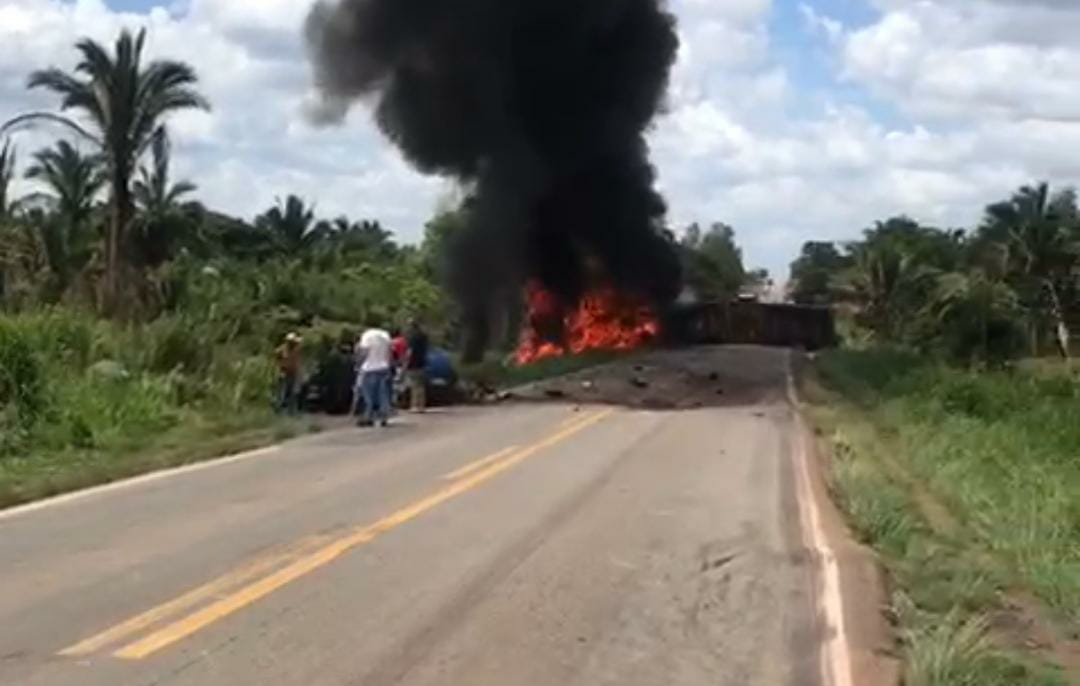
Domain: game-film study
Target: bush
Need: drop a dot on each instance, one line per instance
(175, 344)
(22, 383)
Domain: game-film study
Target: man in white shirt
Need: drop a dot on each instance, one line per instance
(373, 355)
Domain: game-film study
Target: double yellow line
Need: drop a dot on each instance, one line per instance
(261, 577)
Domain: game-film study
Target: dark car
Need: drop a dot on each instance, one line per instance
(442, 381)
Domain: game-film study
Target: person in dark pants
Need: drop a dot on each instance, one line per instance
(416, 366)
(399, 350)
(288, 360)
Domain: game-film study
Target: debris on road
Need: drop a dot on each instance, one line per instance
(689, 378)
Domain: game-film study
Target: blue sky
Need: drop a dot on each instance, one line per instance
(789, 119)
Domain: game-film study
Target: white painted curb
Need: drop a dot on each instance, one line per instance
(836, 651)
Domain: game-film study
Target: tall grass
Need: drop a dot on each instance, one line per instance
(1001, 449)
(944, 585)
(78, 395)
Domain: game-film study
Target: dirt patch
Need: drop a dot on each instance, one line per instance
(1021, 623)
(679, 379)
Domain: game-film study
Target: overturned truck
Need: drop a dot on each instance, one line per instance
(753, 323)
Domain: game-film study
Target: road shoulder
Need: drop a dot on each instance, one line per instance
(860, 646)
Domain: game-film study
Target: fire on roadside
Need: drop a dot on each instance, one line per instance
(603, 319)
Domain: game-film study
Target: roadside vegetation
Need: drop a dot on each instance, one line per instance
(951, 419)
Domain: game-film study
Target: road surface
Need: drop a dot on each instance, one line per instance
(529, 544)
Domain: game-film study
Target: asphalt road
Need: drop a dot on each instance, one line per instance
(528, 544)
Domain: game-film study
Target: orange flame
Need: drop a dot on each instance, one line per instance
(603, 320)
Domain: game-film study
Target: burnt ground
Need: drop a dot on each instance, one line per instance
(670, 379)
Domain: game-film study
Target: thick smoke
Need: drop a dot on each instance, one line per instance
(540, 107)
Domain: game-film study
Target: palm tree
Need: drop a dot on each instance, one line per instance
(365, 238)
(73, 181)
(979, 313)
(7, 173)
(291, 226)
(1039, 232)
(884, 282)
(153, 192)
(162, 223)
(124, 103)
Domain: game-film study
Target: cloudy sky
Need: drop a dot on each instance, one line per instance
(789, 119)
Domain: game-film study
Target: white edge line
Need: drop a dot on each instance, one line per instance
(132, 482)
(836, 655)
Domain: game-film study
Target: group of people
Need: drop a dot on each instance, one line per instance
(379, 358)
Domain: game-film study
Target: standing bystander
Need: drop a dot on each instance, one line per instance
(288, 361)
(416, 367)
(374, 356)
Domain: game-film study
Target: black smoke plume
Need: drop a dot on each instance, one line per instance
(540, 107)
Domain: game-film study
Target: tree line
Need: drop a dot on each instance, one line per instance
(107, 227)
(1007, 288)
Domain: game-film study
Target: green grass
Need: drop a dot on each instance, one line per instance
(903, 433)
(1000, 449)
(45, 474)
(84, 401)
(954, 650)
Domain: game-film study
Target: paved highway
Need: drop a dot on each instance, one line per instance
(530, 544)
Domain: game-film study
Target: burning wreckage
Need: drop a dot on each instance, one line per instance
(539, 108)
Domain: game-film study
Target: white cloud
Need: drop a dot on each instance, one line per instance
(832, 29)
(990, 90)
(982, 58)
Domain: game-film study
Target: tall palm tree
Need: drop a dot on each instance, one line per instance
(73, 182)
(1039, 233)
(7, 173)
(291, 226)
(123, 102)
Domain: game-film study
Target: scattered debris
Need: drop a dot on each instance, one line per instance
(707, 565)
(670, 379)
